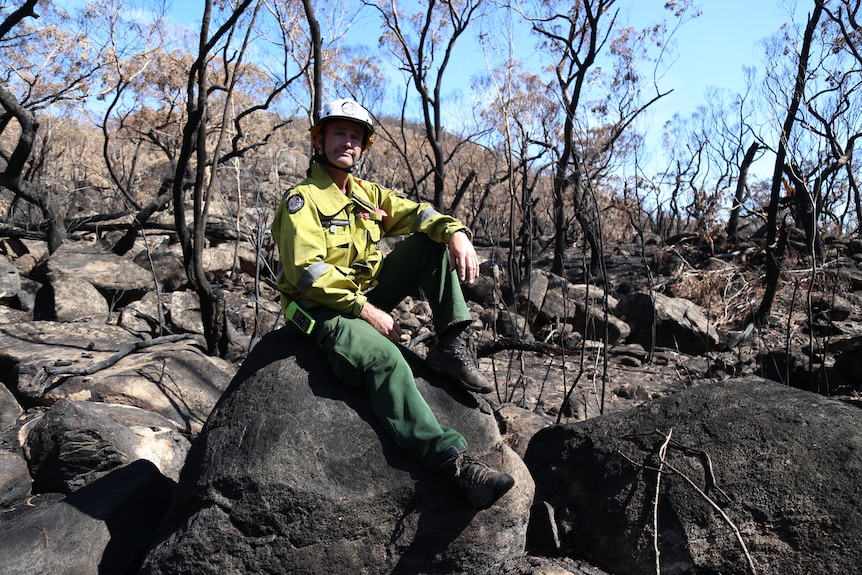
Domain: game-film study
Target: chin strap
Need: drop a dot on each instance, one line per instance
(322, 159)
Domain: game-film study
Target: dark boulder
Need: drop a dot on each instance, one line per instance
(10, 409)
(292, 474)
(103, 528)
(119, 280)
(74, 443)
(675, 323)
(14, 479)
(751, 473)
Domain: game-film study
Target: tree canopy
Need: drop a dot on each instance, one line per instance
(114, 111)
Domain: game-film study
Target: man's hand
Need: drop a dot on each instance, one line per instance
(463, 258)
(381, 321)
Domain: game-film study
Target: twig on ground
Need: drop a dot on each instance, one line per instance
(662, 455)
(710, 480)
(45, 373)
(488, 349)
(724, 516)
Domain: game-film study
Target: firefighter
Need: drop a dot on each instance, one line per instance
(337, 285)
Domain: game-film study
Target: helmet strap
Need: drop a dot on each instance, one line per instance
(321, 158)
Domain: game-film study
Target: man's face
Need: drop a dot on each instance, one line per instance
(341, 142)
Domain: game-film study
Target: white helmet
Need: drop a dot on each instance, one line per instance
(345, 109)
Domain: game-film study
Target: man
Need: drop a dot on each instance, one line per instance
(327, 229)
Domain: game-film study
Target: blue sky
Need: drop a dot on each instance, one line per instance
(712, 49)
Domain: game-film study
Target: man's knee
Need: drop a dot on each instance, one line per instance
(362, 348)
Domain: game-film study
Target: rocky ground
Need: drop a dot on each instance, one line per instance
(90, 352)
(810, 323)
(811, 320)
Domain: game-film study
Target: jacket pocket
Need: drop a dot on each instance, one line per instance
(338, 242)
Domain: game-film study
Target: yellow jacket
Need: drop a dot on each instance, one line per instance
(327, 241)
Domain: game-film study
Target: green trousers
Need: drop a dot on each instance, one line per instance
(364, 358)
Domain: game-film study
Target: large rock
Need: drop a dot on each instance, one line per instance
(15, 479)
(10, 281)
(583, 306)
(148, 315)
(26, 254)
(175, 379)
(531, 294)
(75, 443)
(27, 347)
(679, 323)
(102, 528)
(185, 312)
(519, 425)
(293, 474)
(16, 316)
(118, 279)
(751, 472)
(167, 263)
(10, 409)
(847, 352)
(68, 298)
(537, 565)
(168, 267)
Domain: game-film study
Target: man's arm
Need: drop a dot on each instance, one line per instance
(463, 257)
(381, 321)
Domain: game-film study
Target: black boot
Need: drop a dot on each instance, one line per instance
(482, 484)
(451, 357)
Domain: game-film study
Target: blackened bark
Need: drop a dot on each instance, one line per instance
(739, 196)
(774, 250)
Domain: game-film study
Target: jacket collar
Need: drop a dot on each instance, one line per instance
(328, 197)
(325, 194)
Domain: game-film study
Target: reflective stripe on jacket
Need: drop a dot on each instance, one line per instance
(327, 241)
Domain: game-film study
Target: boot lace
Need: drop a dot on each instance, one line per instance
(465, 351)
(472, 472)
